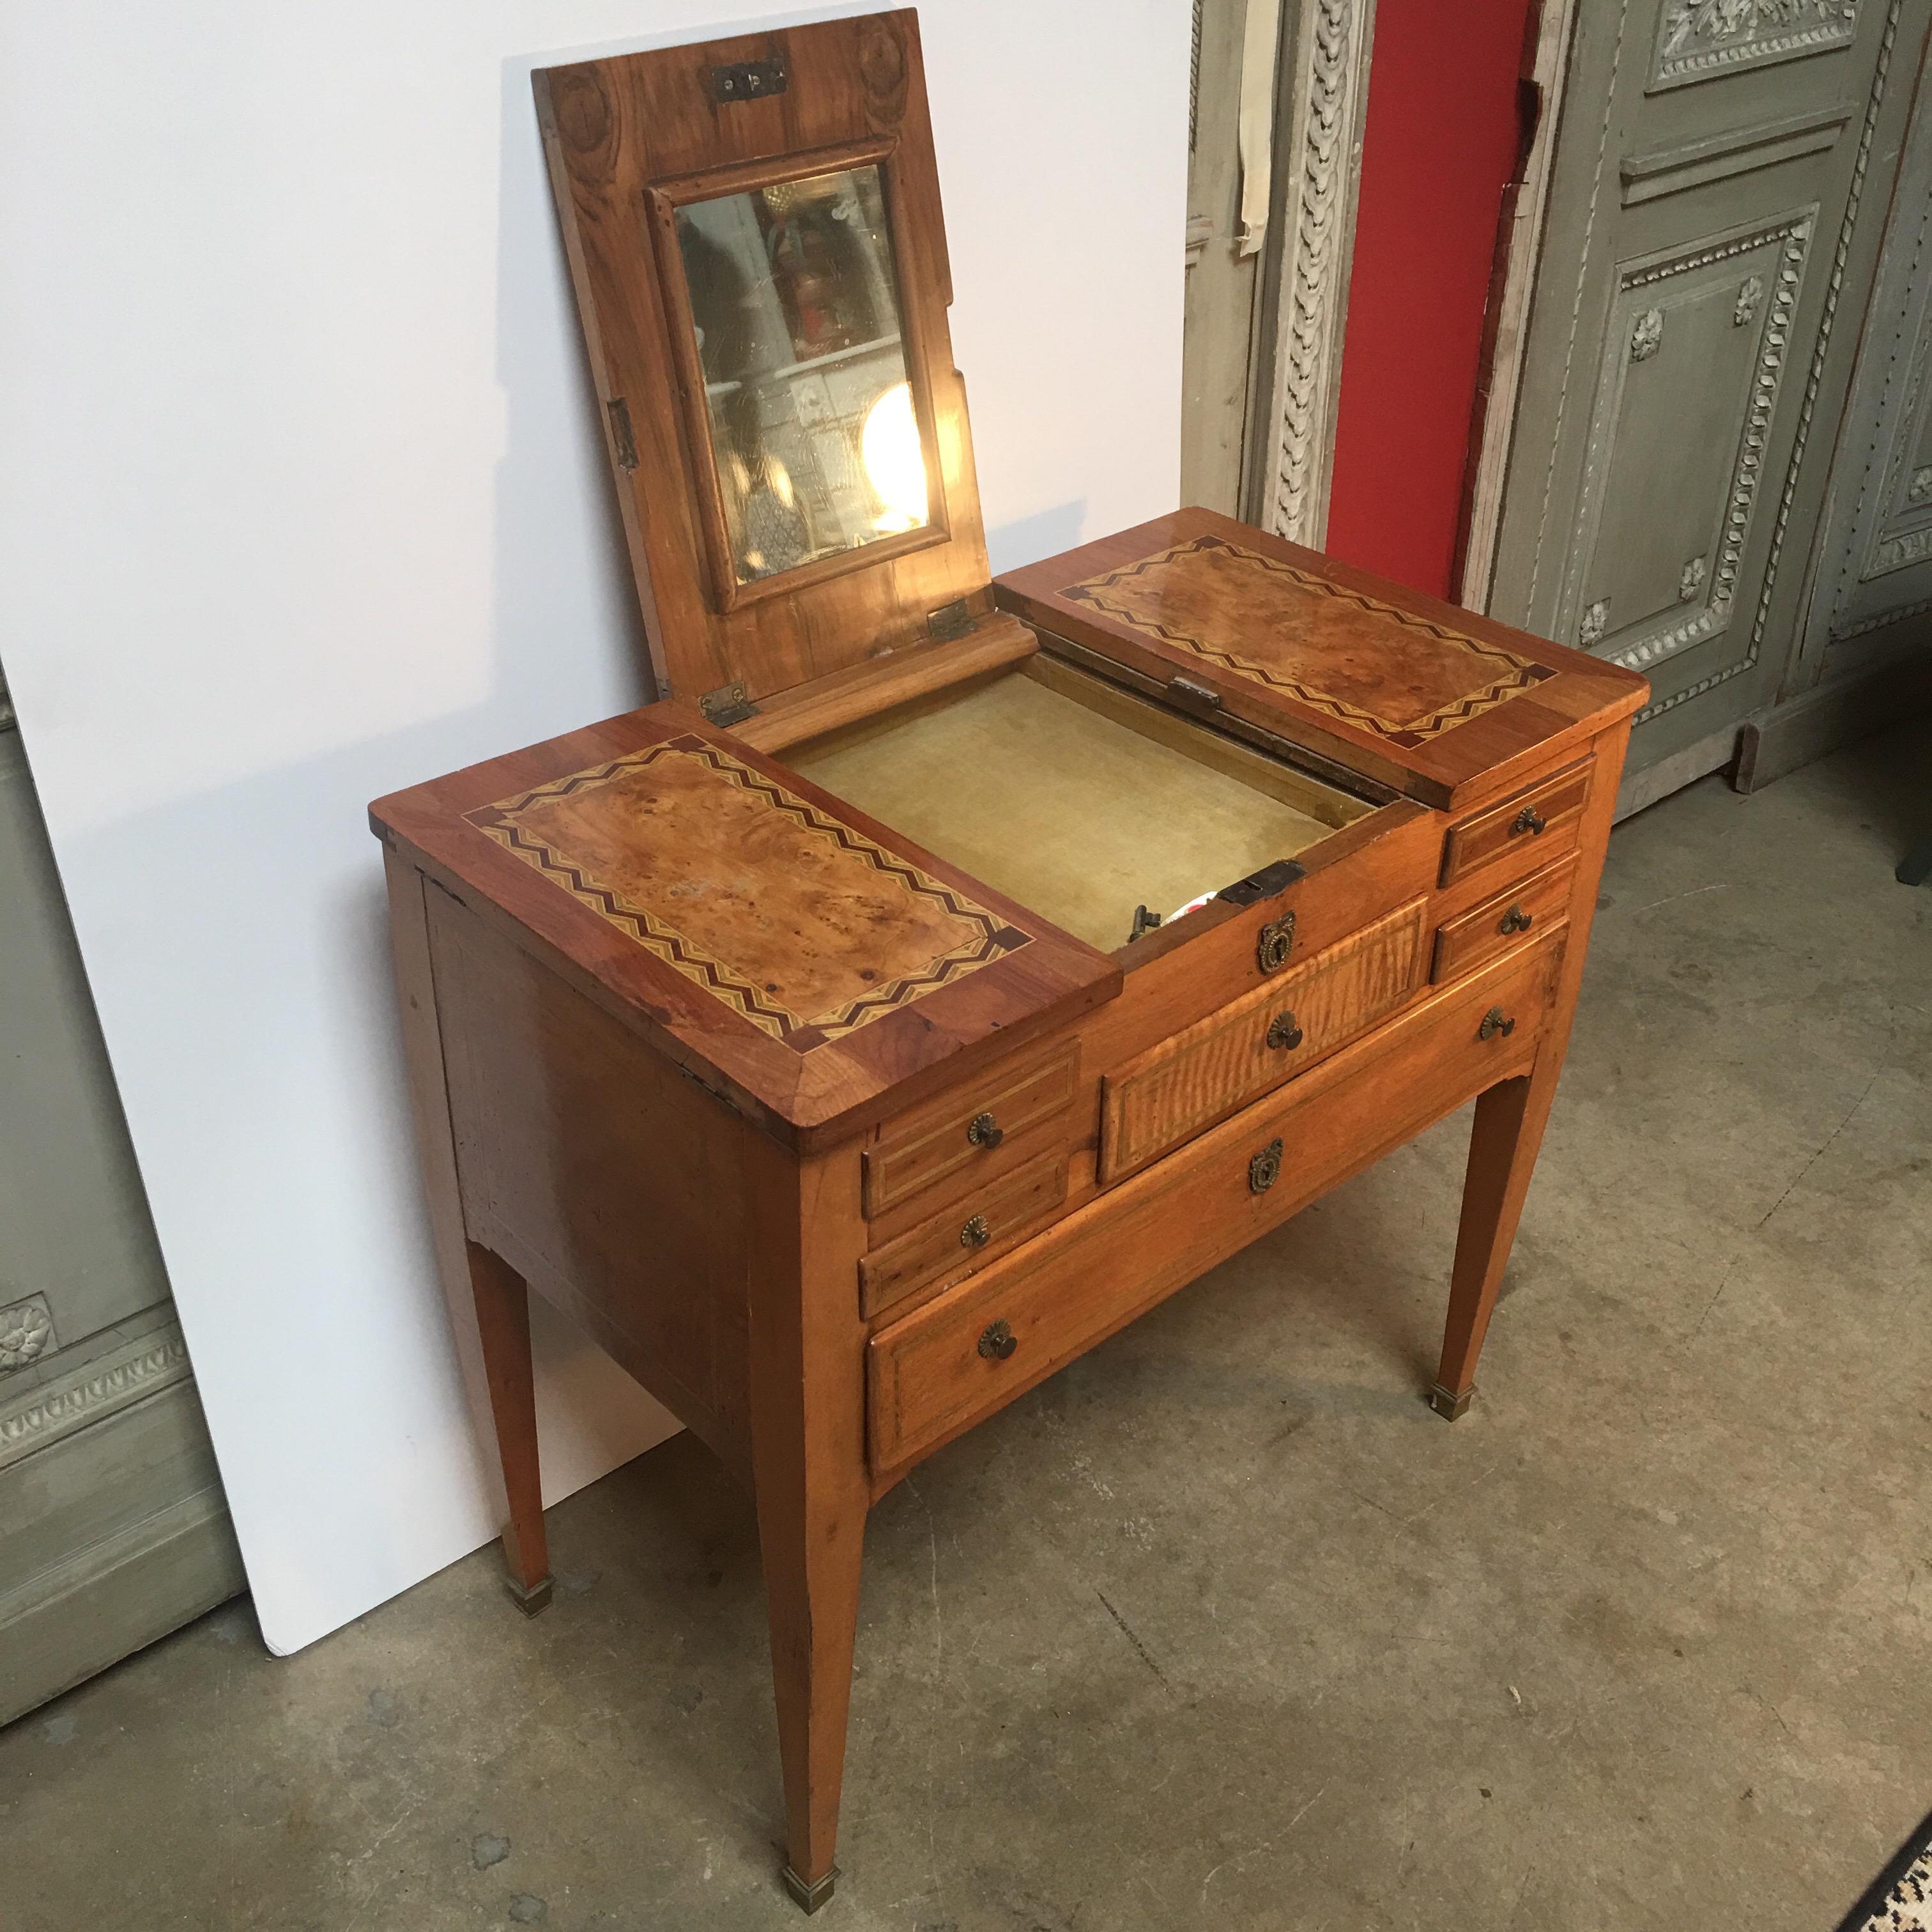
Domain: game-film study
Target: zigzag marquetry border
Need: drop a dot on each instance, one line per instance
(1520, 675)
(993, 938)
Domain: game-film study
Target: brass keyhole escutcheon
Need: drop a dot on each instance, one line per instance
(1283, 1034)
(1265, 1170)
(1493, 1024)
(982, 1130)
(1274, 943)
(1528, 819)
(996, 1341)
(1516, 920)
(976, 1233)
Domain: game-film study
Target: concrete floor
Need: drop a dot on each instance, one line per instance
(1221, 1627)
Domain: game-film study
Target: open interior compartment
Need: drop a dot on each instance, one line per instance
(1075, 797)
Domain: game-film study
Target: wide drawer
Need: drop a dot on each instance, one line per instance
(1529, 828)
(1217, 1067)
(972, 1232)
(968, 1351)
(1520, 913)
(971, 1137)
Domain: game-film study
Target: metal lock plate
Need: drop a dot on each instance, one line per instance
(1275, 942)
(1265, 1170)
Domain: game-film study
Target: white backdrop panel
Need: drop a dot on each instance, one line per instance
(303, 501)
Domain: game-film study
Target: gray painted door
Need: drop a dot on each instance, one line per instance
(1223, 283)
(1722, 175)
(113, 1529)
(1871, 598)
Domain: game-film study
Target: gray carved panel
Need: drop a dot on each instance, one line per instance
(1698, 40)
(1873, 579)
(1693, 363)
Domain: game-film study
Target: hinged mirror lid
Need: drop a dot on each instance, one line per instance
(754, 235)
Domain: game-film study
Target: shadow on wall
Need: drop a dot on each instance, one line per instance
(1044, 533)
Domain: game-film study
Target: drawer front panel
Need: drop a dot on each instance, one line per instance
(1528, 829)
(960, 1144)
(975, 1230)
(1514, 917)
(968, 1351)
(1217, 1067)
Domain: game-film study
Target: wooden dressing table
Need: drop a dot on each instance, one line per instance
(840, 1040)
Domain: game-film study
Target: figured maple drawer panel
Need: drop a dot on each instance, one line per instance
(1529, 826)
(1518, 913)
(1218, 1065)
(958, 1143)
(971, 1232)
(944, 1366)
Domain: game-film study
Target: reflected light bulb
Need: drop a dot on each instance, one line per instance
(889, 447)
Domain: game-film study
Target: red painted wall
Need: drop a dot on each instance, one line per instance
(1440, 143)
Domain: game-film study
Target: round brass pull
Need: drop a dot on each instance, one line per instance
(976, 1233)
(1283, 1034)
(996, 1341)
(1493, 1024)
(1516, 920)
(982, 1130)
(1265, 1170)
(1528, 819)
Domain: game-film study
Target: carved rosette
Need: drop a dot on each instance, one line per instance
(1690, 579)
(1750, 297)
(26, 1332)
(1647, 337)
(1596, 621)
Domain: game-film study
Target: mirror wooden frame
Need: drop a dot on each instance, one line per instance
(664, 198)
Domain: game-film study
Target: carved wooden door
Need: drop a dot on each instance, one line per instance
(1722, 174)
(113, 1527)
(1871, 593)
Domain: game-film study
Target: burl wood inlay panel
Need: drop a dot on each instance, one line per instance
(1324, 644)
(800, 923)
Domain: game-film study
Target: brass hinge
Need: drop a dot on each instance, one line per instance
(727, 705)
(622, 439)
(950, 621)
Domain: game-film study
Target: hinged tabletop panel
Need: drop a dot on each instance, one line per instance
(754, 235)
(1435, 701)
(793, 953)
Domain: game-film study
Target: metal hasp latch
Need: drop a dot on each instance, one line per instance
(1184, 690)
(729, 704)
(750, 80)
(1264, 884)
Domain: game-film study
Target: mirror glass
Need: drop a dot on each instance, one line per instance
(795, 301)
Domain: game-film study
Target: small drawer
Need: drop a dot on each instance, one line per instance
(1530, 827)
(1524, 911)
(958, 1143)
(965, 1353)
(978, 1229)
(1218, 1065)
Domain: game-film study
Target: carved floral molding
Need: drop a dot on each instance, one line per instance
(1699, 37)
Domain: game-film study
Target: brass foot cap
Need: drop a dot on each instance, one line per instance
(535, 1598)
(1448, 1404)
(811, 1896)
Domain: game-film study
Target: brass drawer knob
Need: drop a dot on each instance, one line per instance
(1274, 943)
(1493, 1024)
(976, 1233)
(1265, 1170)
(982, 1130)
(1283, 1034)
(996, 1341)
(1528, 819)
(1516, 920)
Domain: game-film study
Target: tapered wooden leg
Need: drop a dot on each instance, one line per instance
(807, 1353)
(1510, 1119)
(503, 1318)
(811, 1581)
